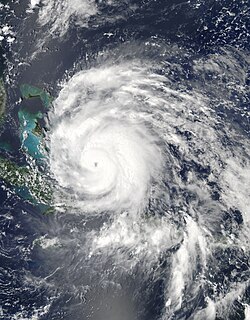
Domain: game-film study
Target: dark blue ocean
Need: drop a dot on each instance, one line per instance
(147, 158)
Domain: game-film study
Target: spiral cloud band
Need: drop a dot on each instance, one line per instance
(101, 149)
(144, 161)
(128, 140)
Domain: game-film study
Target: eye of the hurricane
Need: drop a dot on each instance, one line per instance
(99, 171)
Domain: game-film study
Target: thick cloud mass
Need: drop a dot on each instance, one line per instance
(102, 151)
(126, 140)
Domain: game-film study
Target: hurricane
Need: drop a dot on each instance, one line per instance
(128, 144)
(101, 148)
(130, 201)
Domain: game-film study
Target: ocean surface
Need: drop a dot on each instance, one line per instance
(136, 203)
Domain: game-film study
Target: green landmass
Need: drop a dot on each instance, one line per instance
(2, 101)
(28, 91)
(31, 132)
(4, 143)
(29, 184)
